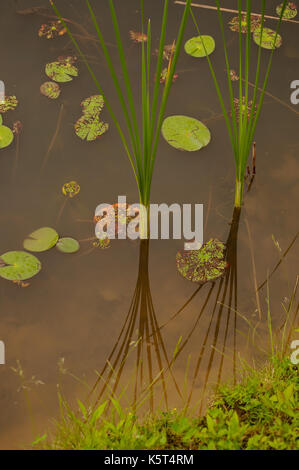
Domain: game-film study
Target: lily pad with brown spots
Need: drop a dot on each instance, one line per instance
(203, 265)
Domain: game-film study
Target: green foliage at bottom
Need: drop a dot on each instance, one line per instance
(259, 413)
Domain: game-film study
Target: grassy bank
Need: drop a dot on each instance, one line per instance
(261, 412)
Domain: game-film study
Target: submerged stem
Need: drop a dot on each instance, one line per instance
(239, 192)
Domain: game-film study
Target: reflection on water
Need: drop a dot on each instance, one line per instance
(88, 308)
(139, 335)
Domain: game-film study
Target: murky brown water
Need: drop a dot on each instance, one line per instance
(77, 306)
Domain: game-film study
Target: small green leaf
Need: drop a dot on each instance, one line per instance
(89, 127)
(200, 46)
(6, 136)
(185, 133)
(289, 12)
(93, 104)
(61, 70)
(71, 189)
(19, 266)
(40, 240)
(10, 103)
(68, 245)
(50, 90)
(268, 38)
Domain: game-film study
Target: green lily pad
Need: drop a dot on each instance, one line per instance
(6, 136)
(289, 12)
(200, 46)
(68, 245)
(268, 38)
(19, 266)
(50, 90)
(93, 104)
(61, 70)
(9, 104)
(185, 133)
(89, 127)
(203, 265)
(41, 240)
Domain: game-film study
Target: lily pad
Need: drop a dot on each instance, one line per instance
(93, 104)
(89, 127)
(200, 46)
(50, 90)
(268, 38)
(203, 265)
(10, 103)
(255, 22)
(41, 240)
(68, 245)
(289, 12)
(185, 133)
(6, 136)
(19, 266)
(71, 189)
(61, 70)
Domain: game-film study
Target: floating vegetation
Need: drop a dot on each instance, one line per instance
(267, 41)
(68, 245)
(164, 75)
(246, 110)
(138, 37)
(168, 51)
(63, 70)
(17, 127)
(185, 133)
(52, 30)
(93, 104)
(40, 240)
(203, 265)
(103, 243)
(89, 127)
(255, 23)
(290, 10)
(19, 266)
(234, 76)
(50, 90)
(115, 214)
(21, 284)
(200, 46)
(10, 103)
(6, 135)
(71, 189)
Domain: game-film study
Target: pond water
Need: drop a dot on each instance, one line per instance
(94, 305)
